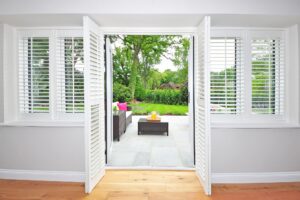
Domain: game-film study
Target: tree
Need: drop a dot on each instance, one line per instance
(136, 56)
(122, 62)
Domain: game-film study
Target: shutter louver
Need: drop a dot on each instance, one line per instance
(70, 74)
(226, 75)
(267, 76)
(34, 75)
(202, 106)
(94, 103)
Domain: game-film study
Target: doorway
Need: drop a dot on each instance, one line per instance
(95, 98)
(163, 85)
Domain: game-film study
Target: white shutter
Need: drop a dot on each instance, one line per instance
(70, 74)
(202, 106)
(226, 75)
(34, 74)
(94, 103)
(267, 75)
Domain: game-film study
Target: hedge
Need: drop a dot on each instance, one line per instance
(166, 96)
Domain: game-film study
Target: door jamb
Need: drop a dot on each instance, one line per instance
(192, 31)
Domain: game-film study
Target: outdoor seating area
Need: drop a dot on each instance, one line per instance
(154, 144)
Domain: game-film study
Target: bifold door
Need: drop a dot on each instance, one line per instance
(94, 103)
(202, 106)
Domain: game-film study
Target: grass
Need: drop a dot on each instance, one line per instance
(162, 109)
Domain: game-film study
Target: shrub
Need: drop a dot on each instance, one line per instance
(184, 94)
(171, 97)
(121, 93)
(140, 93)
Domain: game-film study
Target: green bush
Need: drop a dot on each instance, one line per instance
(184, 94)
(171, 97)
(140, 93)
(121, 93)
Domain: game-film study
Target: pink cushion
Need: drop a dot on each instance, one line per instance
(122, 106)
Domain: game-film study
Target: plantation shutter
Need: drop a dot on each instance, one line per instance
(94, 103)
(226, 75)
(202, 106)
(70, 74)
(34, 74)
(267, 75)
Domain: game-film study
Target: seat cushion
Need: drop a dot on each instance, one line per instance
(128, 113)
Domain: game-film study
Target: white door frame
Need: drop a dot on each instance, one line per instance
(109, 98)
(191, 31)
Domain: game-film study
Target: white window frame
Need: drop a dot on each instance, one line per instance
(246, 116)
(53, 115)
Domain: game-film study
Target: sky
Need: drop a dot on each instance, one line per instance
(164, 65)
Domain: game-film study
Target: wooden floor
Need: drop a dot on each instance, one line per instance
(146, 185)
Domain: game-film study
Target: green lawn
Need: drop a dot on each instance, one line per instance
(162, 109)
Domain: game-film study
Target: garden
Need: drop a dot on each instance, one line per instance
(141, 77)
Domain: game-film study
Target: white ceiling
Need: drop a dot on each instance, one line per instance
(145, 20)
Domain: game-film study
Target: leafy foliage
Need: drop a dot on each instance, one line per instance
(121, 93)
(166, 96)
(135, 58)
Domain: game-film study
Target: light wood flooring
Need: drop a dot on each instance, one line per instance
(146, 185)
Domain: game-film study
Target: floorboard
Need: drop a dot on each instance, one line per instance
(146, 185)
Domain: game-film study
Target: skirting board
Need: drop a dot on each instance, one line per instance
(268, 177)
(65, 176)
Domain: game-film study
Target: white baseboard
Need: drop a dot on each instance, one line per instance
(64, 176)
(268, 177)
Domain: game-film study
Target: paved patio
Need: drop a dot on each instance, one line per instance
(135, 150)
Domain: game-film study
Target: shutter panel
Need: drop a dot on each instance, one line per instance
(226, 75)
(202, 106)
(94, 104)
(70, 74)
(267, 76)
(34, 75)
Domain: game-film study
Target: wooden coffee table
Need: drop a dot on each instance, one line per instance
(150, 127)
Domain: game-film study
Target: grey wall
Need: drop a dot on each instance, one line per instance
(1, 75)
(255, 150)
(42, 148)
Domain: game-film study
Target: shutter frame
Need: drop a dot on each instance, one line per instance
(23, 81)
(67, 91)
(226, 52)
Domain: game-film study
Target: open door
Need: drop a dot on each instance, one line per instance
(109, 98)
(191, 95)
(202, 106)
(94, 103)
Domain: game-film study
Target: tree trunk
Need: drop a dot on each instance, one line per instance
(133, 75)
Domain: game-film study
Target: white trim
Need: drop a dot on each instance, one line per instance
(254, 126)
(148, 30)
(151, 168)
(40, 175)
(50, 28)
(248, 28)
(43, 124)
(260, 177)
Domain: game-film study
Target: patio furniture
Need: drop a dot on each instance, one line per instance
(150, 127)
(121, 119)
(119, 124)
